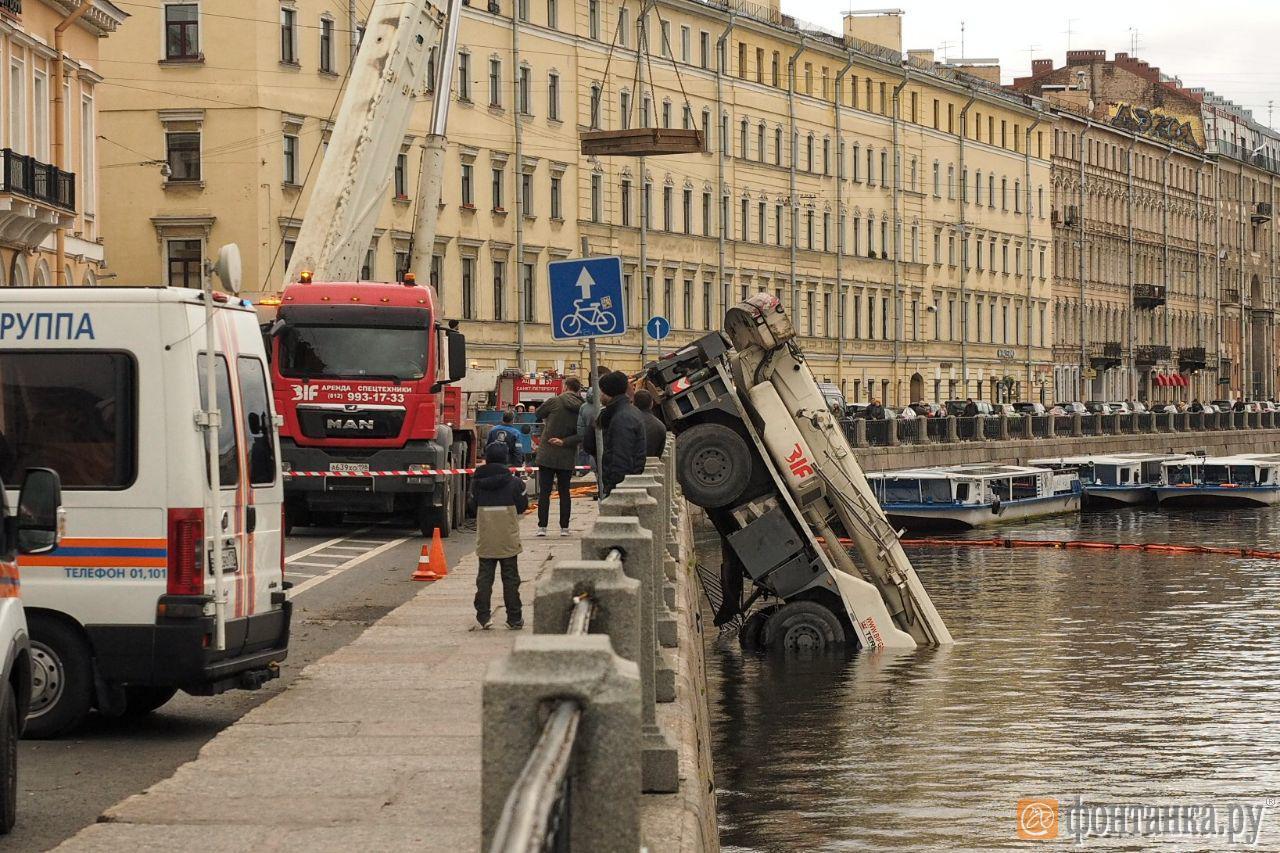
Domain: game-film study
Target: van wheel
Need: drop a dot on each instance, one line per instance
(140, 700)
(61, 678)
(433, 518)
(8, 759)
(804, 627)
(713, 465)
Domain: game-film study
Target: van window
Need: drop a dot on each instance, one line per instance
(256, 406)
(74, 412)
(228, 447)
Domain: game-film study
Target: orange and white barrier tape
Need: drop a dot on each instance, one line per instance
(425, 472)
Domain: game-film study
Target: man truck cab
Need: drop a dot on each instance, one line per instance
(106, 386)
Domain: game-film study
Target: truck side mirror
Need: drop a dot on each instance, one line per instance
(457, 347)
(39, 510)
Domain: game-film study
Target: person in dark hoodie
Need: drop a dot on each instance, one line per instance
(557, 452)
(624, 434)
(498, 500)
(655, 431)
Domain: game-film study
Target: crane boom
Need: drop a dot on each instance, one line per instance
(388, 72)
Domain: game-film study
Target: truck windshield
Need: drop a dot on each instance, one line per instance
(353, 352)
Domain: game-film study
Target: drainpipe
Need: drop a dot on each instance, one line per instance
(1131, 311)
(964, 252)
(519, 176)
(1164, 225)
(794, 201)
(1083, 312)
(1245, 361)
(840, 293)
(60, 130)
(1027, 210)
(722, 52)
(899, 332)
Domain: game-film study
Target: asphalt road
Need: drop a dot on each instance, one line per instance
(344, 580)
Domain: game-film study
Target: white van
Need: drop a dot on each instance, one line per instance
(104, 386)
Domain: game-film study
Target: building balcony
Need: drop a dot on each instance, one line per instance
(1192, 358)
(1105, 356)
(1152, 353)
(1148, 295)
(1261, 212)
(1230, 297)
(35, 198)
(11, 7)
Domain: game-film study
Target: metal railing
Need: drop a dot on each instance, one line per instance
(27, 176)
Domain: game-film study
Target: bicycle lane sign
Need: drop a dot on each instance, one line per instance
(586, 298)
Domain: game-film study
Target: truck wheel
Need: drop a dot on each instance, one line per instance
(61, 679)
(751, 634)
(433, 518)
(713, 465)
(8, 759)
(140, 700)
(804, 627)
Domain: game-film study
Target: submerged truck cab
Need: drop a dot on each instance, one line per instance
(357, 372)
(106, 386)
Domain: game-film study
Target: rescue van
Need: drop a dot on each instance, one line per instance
(33, 530)
(107, 386)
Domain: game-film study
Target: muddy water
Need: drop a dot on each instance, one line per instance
(1150, 680)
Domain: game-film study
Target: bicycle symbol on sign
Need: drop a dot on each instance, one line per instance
(591, 315)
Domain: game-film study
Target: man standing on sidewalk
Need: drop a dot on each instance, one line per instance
(498, 500)
(655, 431)
(624, 438)
(557, 452)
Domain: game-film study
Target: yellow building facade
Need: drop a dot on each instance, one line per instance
(50, 191)
(899, 207)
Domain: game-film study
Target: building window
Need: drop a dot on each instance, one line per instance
(182, 31)
(468, 186)
(625, 201)
(530, 294)
(468, 288)
(553, 96)
(522, 91)
(777, 225)
(688, 303)
(183, 156)
(464, 77)
(366, 270)
(291, 159)
(436, 276)
(556, 211)
(185, 262)
(596, 201)
(684, 44)
(402, 176)
(402, 264)
(495, 189)
(553, 14)
(666, 208)
(499, 290)
(526, 194)
(288, 35)
(326, 45)
(495, 82)
(745, 223)
(624, 109)
(704, 49)
(624, 26)
(522, 9)
(687, 210)
(593, 19)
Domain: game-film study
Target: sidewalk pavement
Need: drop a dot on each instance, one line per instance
(375, 747)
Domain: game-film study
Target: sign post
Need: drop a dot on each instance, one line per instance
(587, 302)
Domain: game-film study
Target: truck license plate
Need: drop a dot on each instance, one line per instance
(348, 467)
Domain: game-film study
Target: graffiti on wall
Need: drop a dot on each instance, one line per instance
(1155, 122)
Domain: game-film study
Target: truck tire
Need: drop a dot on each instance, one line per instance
(804, 627)
(62, 678)
(751, 634)
(433, 518)
(713, 465)
(8, 759)
(140, 700)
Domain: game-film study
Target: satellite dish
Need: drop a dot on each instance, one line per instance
(228, 268)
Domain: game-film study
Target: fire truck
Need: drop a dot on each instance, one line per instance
(361, 371)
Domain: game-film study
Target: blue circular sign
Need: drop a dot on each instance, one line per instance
(658, 327)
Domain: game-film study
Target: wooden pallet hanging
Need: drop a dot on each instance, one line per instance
(641, 142)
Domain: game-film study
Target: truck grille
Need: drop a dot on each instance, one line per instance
(344, 422)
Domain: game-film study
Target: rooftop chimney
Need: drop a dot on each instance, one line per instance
(881, 27)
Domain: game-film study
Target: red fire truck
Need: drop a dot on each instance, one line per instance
(358, 374)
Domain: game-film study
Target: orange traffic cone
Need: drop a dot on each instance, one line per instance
(431, 563)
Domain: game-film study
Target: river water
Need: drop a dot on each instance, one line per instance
(1116, 677)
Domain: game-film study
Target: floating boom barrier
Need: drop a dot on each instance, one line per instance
(1074, 544)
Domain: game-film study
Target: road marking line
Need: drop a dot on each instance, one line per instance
(311, 566)
(306, 552)
(350, 564)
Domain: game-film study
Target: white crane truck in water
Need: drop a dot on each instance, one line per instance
(761, 452)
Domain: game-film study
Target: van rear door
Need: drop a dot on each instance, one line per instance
(262, 487)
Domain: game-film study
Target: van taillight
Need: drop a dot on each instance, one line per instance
(186, 552)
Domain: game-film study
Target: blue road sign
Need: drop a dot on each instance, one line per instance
(586, 298)
(658, 327)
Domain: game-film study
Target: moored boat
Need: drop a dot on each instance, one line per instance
(1116, 479)
(1221, 481)
(963, 496)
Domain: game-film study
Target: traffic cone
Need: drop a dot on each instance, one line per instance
(431, 563)
(424, 572)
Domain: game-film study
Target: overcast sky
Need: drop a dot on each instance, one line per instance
(1228, 47)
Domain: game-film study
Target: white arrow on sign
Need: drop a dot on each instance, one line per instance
(585, 283)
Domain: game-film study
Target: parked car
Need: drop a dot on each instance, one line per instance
(929, 410)
(957, 407)
(1139, 407)
(1030, 408)
(1120, 408)
(1097, 407)
(834, 398)
(1006, 410)
(1071, 408)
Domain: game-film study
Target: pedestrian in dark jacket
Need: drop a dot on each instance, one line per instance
(655, 431)
(557, 452)
(970, 408)
(498, 500)
(1196, 406)
(875, 411)
(624, 435)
